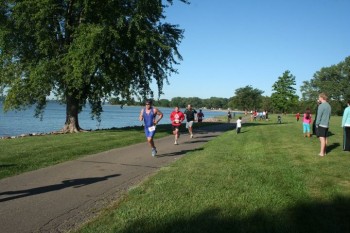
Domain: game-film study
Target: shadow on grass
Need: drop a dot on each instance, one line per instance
(257, 123)
(7, 165)
(307, 217)
(182, 152)
(332, 147)
(76, 183)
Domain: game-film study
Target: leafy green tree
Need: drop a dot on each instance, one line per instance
(266, 104)
(283, 97)
(215, 103)
(195, 102)
(163, 103)
(333, 80)
(178, 101)
(247, 98)
(84, 51)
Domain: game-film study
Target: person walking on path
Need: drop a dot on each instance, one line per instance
(238, 125)
(307, 119)
(149, 116)
(190, 117)
(322, 122)
(176, 118)
(346, 125)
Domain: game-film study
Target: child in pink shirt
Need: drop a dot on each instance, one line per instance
(307, 122)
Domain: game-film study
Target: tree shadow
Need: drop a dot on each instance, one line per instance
(7, 165)
(252, 124)
(206, 136)
(182, 152)
(76, 183)
(305, 217)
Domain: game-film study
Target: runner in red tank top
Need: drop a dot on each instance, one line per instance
(176, 118)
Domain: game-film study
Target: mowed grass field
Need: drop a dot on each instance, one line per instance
(30, 153)
(269, 178)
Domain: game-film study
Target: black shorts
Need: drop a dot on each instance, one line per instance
(175, 127)
(322, 132)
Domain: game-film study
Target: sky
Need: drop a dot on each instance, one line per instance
(229, 44)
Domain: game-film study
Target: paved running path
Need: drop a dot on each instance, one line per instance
(62, 197)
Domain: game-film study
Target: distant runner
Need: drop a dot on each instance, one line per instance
(200, 115)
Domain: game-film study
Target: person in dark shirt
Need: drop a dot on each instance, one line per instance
(200, 116)
(190, 114)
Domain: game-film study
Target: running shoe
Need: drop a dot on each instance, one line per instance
(154, 152)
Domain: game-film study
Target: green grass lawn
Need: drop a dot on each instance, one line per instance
(269, 178)
(30, 153)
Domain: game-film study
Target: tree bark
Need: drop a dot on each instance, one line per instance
(72, 121)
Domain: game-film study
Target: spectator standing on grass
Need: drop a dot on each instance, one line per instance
(314, 129)
(266, 115)
(346, 126)
(297, 116)
(149, 116)
(322, 122)
(307, 122)
(279, 119)
(238, 125)
(229, 116)
(190, 114)
(176, 118)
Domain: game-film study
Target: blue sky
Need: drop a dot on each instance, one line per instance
(230, 44)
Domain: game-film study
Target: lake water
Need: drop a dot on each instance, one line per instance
(22, 122)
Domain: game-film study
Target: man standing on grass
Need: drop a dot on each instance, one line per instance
(149, 116)
(322, 122)
(190, 117)
(345, 123)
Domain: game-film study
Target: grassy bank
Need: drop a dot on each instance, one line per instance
(266, 179)
(30, 153)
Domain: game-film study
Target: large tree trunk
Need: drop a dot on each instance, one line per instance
(72, 122)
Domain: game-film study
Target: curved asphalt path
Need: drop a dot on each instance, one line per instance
(62, 197)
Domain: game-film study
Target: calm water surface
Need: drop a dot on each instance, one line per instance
(22, 122)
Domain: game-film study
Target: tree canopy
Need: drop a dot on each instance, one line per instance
(284, 94)
(247, 98)
(333, 80)
(84, 51)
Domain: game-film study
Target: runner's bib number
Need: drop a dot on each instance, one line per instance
(152, 128)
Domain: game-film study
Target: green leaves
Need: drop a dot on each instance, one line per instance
(85, 50)
(284, 94)
(248, 98)
(333, 80)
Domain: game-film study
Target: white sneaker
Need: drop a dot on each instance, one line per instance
(191, 135)
(154, 152)
(175, 143)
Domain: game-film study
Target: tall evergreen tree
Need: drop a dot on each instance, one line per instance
(284, 94)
